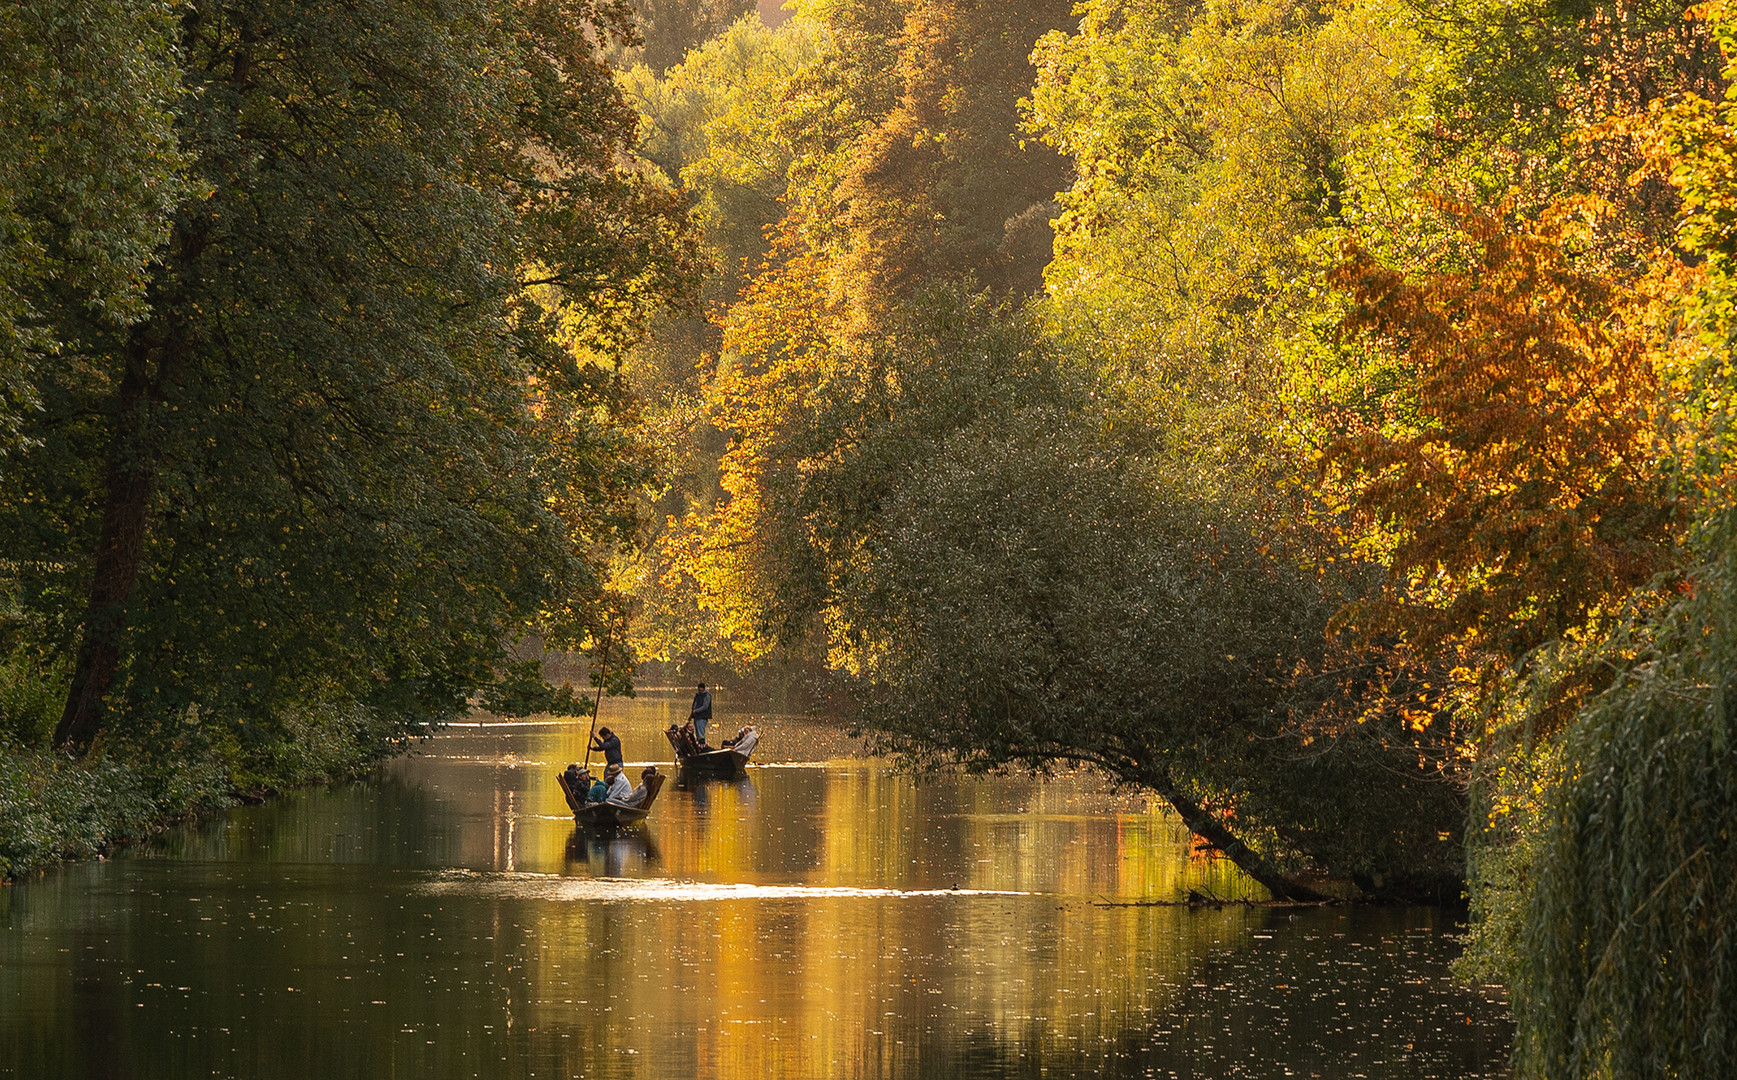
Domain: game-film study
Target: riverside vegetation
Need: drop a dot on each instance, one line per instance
(313, 394)
(1314, 414)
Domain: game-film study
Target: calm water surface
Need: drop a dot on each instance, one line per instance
(822, 918)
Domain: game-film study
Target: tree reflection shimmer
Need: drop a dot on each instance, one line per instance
(447, 921)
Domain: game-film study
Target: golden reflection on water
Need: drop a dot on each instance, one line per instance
(845, 821)
(824, 917)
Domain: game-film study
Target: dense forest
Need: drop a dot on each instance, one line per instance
(1315, 415)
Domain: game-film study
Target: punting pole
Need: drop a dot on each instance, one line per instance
(597, 706)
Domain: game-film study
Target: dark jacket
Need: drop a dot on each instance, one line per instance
(611, 747)
(702, 709)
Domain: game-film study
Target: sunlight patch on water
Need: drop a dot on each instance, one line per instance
(829, 763)
(513, 761)
(496, 725)
(553, 887)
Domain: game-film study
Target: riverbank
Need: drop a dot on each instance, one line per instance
(54, 809)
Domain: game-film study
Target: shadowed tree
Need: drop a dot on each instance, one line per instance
(360, 439)
(89, 174)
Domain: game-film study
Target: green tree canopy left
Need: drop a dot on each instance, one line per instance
(364, 431)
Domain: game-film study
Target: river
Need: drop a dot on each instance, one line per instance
(825, 917)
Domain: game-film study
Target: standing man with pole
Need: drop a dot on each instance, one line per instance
(591, 746)
(701, 713)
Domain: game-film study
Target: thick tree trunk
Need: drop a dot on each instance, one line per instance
(1204, 825)
(120, 549)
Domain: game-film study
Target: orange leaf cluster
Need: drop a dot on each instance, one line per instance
(1520, 471)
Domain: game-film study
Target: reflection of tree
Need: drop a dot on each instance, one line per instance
(830, 985)
(843, 986)
(383, 820)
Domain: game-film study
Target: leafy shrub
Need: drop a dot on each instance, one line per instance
(31, 696)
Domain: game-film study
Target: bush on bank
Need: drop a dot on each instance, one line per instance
(55, 808)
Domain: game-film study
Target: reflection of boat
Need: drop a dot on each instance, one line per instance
(614, 851)
(706, 764)
(609, 813)
(734, 792)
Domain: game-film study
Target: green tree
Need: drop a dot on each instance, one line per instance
(941, 187)
(1220, 151)
(1519, 93)
(873, 414)
(1622, 962)
(88, 174)
(992, 541)
(669, 29)
(362, 437)
(894, 156)
(716, 125)
(725, 127)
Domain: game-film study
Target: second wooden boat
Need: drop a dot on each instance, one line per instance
(704, 763)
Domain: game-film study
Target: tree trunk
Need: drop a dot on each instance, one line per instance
(1204, 825)
(130, 477)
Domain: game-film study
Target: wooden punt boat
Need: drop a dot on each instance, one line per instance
(609, 813)
(725, 764)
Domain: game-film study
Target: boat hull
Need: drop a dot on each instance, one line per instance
(608, 815)
(725, 764)
(714, 765)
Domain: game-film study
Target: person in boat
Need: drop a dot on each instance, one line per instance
(701, 714)
(609, 744)
(618, 789)
(638, 795)
(579, 783)
(686, 744)
(599, 791)
(745, 741)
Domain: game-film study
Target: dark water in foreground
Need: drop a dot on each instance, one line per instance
(823, 918)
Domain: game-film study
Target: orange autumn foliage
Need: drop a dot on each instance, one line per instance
(1518, 474)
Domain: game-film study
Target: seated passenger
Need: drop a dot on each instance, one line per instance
(599, 791)
(618, 788)
(637, 796)
(745, 741)
(686, 743)
(575, 783)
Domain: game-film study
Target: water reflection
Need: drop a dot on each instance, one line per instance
(611, 853)
(820, 918)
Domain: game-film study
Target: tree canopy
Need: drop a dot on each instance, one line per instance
(1384, 315)
(363, 429)
(89, 174)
